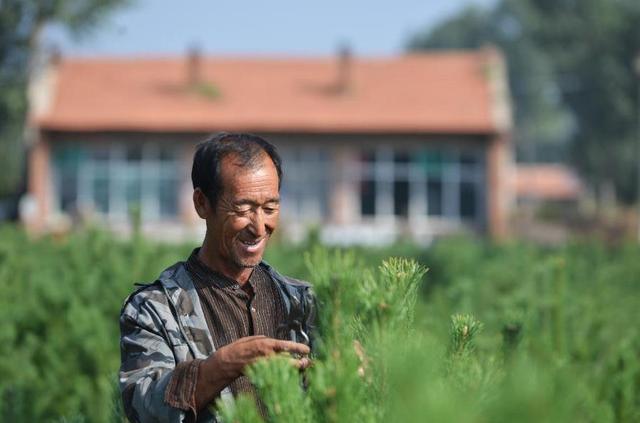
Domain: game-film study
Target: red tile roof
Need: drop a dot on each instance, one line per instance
(547, 182)
(435, 93)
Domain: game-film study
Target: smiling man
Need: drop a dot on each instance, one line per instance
(187, 338)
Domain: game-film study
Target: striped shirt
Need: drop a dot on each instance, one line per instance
(232, 311)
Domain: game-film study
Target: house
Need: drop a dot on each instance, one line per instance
(373, 148)
(549, 199)
(547, 182)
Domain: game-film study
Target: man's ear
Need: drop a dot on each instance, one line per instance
(202, 204)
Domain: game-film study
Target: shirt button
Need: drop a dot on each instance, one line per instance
(253, 309)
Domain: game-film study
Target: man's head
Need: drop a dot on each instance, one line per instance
(248, 148)
(236, 181)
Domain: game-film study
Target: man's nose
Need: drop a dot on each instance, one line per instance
(258, 224)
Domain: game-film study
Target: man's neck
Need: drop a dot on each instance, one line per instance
(238, 274)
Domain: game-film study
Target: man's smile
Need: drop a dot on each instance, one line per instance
(252, 246)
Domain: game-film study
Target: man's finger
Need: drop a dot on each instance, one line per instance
(251, 338)
(300, 363)
(304, 363)
(291, 347)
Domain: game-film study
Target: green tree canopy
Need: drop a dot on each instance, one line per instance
(21, 24)
(571, 78)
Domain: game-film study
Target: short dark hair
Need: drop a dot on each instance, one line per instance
(246, 148)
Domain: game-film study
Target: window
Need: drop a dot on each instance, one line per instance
(426, 182)
(67, 162)
(305, 188)
(100, 188)
(468, 200)
(113, 179)
(434, 196)
(401, 184)
(368, 184)
(168, 196)
(368, 197)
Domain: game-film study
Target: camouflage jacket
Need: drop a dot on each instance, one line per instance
(162, 324)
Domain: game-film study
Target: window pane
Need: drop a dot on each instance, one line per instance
(368, 198)
(101, 190)
(168, 154)
(401, 198)
(401, 167)
(100, 154)
(169, 197)
(68, 191)
(134, 153)
(132, 187)
(467, 200)
(306, 182)
(431, 161)
(434, 197)
(468, 158)
(287, 199)
(401, 157)
(67, 162)
(368, 157)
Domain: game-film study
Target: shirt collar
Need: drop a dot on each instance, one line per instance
(206, 276)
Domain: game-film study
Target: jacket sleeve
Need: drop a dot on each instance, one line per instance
(311, 320)
(147, 364)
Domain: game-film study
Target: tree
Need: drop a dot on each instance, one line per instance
(592, 44)
(542, 123)
(571, 78)
(21, 24)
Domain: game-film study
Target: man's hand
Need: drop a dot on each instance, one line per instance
(229, 362)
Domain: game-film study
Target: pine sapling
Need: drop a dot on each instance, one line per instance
(463, 329)
(242, 410)
(463, 368)
(279, 385)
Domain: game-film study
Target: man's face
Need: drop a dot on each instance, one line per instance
(246, 213)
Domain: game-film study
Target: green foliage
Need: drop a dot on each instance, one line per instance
(243, 410)
(463, 329)
(571, 78)
(278, 382)
(21, 23)
(59, 304)
(361, 309)
(558, 341)
(542, 122)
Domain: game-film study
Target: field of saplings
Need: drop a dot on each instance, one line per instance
(461, 332)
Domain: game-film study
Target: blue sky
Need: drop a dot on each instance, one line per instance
(240, 27)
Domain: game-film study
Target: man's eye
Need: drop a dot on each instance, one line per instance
(243, 211)
(271, 208)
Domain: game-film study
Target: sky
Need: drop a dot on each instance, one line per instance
(241, 27)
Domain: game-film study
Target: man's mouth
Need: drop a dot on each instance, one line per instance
(253, 245)
(254, 242)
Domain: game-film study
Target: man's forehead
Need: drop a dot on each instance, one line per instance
(260, 178)
(233, 163)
